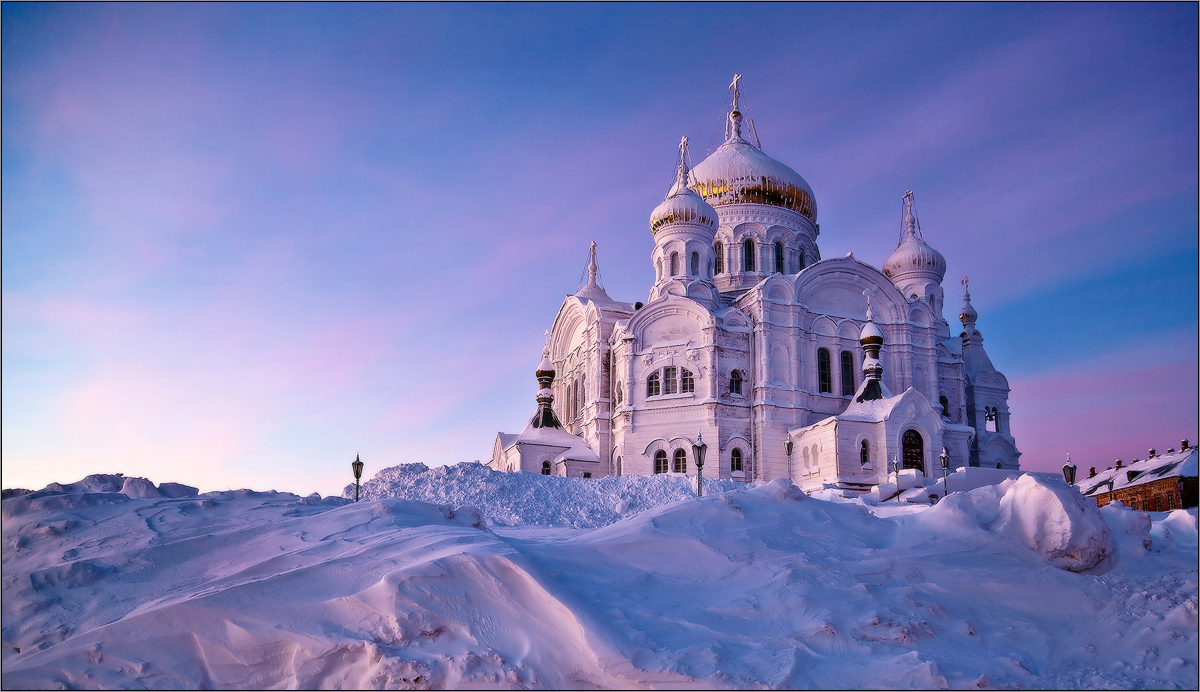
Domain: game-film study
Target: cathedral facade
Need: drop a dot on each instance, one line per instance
(782, 362)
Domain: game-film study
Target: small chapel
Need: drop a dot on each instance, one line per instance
(829, 372)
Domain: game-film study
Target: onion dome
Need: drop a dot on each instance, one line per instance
(545, 418)
(739, 173)
(967, 315)
(870, 336)
(682, 206)
(913, 256)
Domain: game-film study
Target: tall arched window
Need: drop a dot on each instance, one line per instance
(680, 461)
(545, 468)
(719, 251)
(674, 264)
(801, 259)
(824, 372)
(778, 258)
(670, 384)
(847, 373)
(660, 462)
(687, 383)
(653, 386)
(578, 399)
(695, 264)
(619, 469)
(864, 453)
(735, 460)
(620, 395)
(945, 407)
(735, 382)
(748, 255)
(912, 450)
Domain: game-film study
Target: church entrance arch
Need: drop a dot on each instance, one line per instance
(912, 450)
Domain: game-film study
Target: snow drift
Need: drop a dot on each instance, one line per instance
(751, 587)
(518, 499)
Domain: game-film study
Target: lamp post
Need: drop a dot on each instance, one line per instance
(945, 459)
(1069, 471)
(698, 451)
(356, 467)
(787, 448)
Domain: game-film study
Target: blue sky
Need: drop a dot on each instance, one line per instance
(244, 242)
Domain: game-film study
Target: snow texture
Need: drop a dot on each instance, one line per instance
(107, 584)
(517, 499)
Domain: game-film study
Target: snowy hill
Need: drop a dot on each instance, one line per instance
(117, 583)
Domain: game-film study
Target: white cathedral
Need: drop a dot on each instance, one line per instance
(784, 363)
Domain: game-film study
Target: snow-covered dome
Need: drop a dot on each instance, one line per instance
(682, 206)
(913, 255)
(739, 172)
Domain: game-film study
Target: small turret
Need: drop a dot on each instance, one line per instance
(871, 338)
(545, 418)
(915, 267)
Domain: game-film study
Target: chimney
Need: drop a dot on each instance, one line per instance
(1120, 463)
(1151, 452)
(1183, 446)
(1092, 473)
(1170, 450)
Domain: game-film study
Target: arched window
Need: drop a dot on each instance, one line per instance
(680, 461)
(670, 384)
(545, 468)
(804, 463)
(778, 258)
(719, 251)
(619, 469)
(847, 373)
(824, 372)
(687, 383)
(695, 264)
(864, 454)
(801, 259)
(653, 388)
(735, 460)
(748, 255)
(660, 462)
(945, 407)
(620, 395)
(674, 264)
(735, 382)
(912, 450)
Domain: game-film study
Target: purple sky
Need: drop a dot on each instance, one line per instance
(242, 243)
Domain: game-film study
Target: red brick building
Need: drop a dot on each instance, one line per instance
(1160, 483)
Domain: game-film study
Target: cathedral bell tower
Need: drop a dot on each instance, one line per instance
(914, 267)
(683, 226)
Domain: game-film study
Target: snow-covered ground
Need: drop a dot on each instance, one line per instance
(622, 582)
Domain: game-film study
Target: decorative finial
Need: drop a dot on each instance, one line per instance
(966, 291)
(910, 226)
(592, 268)
(867, 293)
(735, 116)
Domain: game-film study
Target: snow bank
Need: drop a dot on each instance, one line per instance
(520, 499)
(1055, 521)
(747, 588)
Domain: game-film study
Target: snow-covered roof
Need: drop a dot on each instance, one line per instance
(573, 447)
(1179, 464)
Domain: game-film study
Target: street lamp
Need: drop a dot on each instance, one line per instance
(356, 467)
(787, 447)
(1069, 471)
(698, 451)
(945, 459)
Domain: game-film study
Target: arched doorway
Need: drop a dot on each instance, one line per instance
(912, 451)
